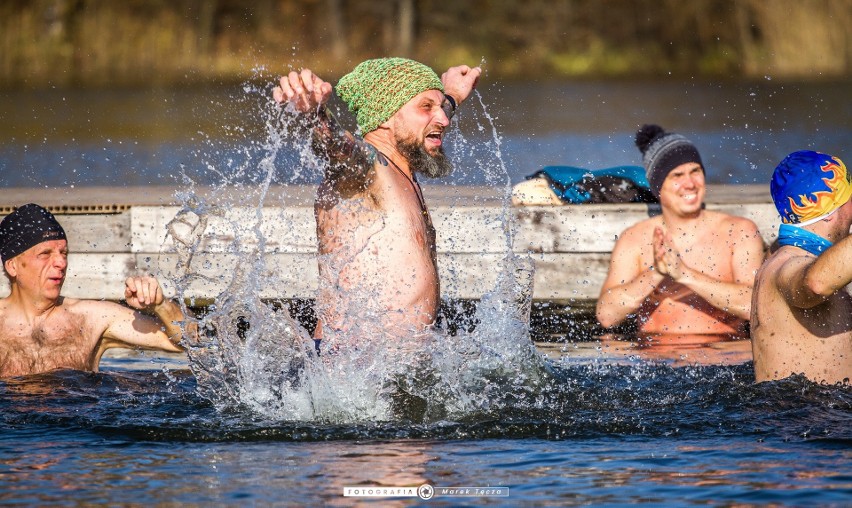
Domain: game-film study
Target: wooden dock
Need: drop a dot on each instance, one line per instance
(117, 232)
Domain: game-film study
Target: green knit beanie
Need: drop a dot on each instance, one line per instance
(376, 89)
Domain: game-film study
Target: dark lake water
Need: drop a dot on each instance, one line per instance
(679, 428)
(139, 137)
(605, 434)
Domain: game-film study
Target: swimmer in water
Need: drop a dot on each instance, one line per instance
(40, 330)
(688, 271)
(801, 315)
(377, 258)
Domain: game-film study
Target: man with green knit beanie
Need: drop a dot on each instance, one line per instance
(378, 274)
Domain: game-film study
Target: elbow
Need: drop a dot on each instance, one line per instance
(820, 288)
(605, 319)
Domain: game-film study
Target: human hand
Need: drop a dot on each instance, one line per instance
(460, 81)
(143, 292)
(667, 259)
(305, 90)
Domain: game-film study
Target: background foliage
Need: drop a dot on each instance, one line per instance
(107, 42)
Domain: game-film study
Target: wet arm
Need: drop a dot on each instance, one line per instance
(626, 287)
(806, 282)
(127, 327)
(348, 156)
(731, 297)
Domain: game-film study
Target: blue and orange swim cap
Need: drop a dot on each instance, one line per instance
(809, 186)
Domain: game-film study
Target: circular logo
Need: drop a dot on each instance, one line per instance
(425, 491)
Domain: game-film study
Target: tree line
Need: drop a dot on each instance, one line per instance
(103, 42)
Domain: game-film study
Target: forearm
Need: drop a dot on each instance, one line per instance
(171, 316)
(731, 297)
(617, 303)
(344, 151)
(831, 271)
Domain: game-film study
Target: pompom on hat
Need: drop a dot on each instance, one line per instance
(27, 226)
(662, 152)
(809, 186)
(376, 89)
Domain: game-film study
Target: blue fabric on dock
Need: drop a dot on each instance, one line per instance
(578, 185)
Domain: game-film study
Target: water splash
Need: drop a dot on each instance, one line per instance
(254, 356)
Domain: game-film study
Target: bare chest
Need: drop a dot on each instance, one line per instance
(709, 254)
(59, 341)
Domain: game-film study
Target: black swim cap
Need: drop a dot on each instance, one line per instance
(27, 226)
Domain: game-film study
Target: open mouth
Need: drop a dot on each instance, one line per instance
(435, 137)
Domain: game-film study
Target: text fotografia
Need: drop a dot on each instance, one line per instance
(425, 491)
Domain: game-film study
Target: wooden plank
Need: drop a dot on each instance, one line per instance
(573, 228)
(571, 244)
(276, 275)
(595, 228)
(97, 233)
(233, 230)
(557, 276)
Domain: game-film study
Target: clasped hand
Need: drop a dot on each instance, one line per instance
(667, 260)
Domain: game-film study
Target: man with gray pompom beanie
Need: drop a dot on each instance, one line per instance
(687, 272)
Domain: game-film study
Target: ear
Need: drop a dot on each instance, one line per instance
(11, 266)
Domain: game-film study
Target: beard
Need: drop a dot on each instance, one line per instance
(421, 161)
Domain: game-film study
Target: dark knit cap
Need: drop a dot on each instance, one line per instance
(662, 152)
(26, 227)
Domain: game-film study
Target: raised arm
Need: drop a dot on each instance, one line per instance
(733, 297)
(458, 83)
(347, 155)
(806, 282)
(154, 324)
(628, 283)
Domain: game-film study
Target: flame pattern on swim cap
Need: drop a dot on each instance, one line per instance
(376, 89)
(807, 186)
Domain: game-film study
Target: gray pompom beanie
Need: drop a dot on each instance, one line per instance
(662, 152)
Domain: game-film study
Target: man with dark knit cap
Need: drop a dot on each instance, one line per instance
(40, 330)
(377, 258)
(688, 271)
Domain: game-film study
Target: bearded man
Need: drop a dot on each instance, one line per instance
(378, 270)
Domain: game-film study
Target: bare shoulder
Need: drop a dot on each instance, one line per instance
(733, 228)
(786, 261)
(640, 233)
(634, 243)
(94, 310)
(727, 222)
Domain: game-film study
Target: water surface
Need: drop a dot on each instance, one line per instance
(139, 137)
(607, 434)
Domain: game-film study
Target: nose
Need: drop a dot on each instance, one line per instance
(60, 261)
(442, 119)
